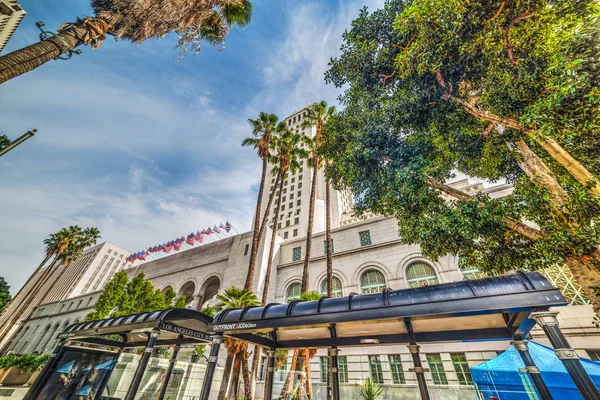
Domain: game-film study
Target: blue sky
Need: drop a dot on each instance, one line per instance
(142, 146)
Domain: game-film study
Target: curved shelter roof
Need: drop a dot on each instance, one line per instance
(490, 308)
(174, 325)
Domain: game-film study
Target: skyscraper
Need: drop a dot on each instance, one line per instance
(11, 15)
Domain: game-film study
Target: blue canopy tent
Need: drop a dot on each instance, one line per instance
(501, 378)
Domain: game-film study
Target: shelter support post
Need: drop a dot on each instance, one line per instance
(418, 369)
(143, 363)
(268, 391)
(568, 356)
(165, 385)
(531, 369)
(50, 366)
(212, 365)
(335, 374)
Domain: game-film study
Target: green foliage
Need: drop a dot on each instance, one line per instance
(4, 141)
(234, 297)
(400, 126)
(124, 297)
(310, 296)
(370, 390)
(25, 363)
(210, 311)
(4, 293)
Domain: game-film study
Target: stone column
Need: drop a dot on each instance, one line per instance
(531, 369)
(568, 356)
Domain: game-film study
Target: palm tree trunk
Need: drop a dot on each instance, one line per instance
(226, 378)
(246, 375)
(328, 239)
(311, 220)
(289, 380)
(29, 58)
(265, 218)
(255, 235)
(25, 285)
(234, 387)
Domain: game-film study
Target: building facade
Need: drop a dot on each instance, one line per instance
(11, 15)
(89, 273)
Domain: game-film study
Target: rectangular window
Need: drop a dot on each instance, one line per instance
(285, 183)
(365, 238)
(297, 220)
(299, 202)
(325, 369)
(295, 232)
(437, 369)
(282, 207)
(396, 370)
(262, 369)
(343, 369)
(300, 186)
(285, 235)
(291, 204)
(375, 368)
(287, 223)
(299, 194)
(461, 366)
(246, 250)
(293, 180)
(279, 225)
(325, 246)
(291, 188)
(281, 217)
(291, 196)
(283, 200)
(299, 178)
(296, 253)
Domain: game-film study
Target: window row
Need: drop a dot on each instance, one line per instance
(372, 280)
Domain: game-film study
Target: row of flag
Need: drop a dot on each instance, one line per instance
(176, 244)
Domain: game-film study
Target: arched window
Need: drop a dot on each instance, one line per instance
(337, 287)
(293, 292)
(372, 281)
(470, 272)
(421, 274)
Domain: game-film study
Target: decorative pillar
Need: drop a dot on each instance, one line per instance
(335, 375)
(50, 366)
(568, 356)
(531, 369)
(142, 364)
(212, 365)
(172, 361)
(268, 395)
(418, 369)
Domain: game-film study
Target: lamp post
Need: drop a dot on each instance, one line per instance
(17, 142)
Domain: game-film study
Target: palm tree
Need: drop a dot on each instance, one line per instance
(316, 115)
(195, 21)
(263, 129)
(286, 158)
(236, 350)
(57, 245)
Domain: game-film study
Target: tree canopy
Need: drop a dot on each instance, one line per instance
(4, 293)
(125, 297)
(498, 90)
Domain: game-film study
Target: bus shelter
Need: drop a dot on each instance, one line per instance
(503, 307)
(83, 361)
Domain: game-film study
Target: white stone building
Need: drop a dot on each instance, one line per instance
(89, 273)
(11, 15)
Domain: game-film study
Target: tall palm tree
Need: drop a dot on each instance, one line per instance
(57, 245)
(195, 21)
(236, 350)
(316, 115)
(288, 151)
(263, 129)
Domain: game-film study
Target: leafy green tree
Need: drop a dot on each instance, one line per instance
(496, 90)
(263, 130)
(237, 350)
(4, 293)
(122, 296)
(195, 21)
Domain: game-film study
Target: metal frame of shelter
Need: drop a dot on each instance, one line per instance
(496, 308)
(170, 327)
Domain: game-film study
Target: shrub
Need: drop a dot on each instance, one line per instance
(370, 390)
(25, 363)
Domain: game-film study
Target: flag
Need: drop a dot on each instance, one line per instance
(168, 248)
(200, 238)
(209, 231)
(216, 229)
(203, 232)
(221, 226)
(149, 249)
(142, 255)
(190, 239)
(227, 226)
(177, 245)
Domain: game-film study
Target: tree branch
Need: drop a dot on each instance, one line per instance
(404, 48)
(498, 12)
(506, 42)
